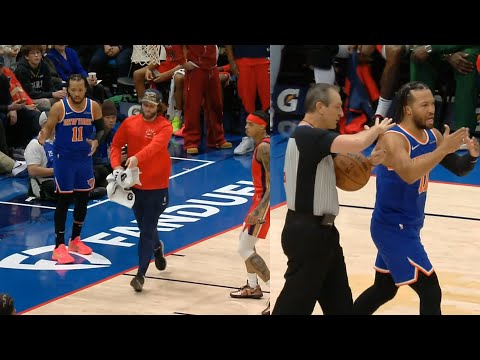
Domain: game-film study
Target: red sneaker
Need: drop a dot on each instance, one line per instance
(76, 245)
(62, 256)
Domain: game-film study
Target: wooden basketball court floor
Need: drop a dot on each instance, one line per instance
(197, 281)
(451, 236)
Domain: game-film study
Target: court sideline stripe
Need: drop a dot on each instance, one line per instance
(192, 282)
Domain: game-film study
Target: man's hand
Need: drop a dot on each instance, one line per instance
(254, 218)
(452, 142)
(131, 162)
(460, 63)
(419, 54)
(381, 127)
(473, 146)
(94, 144)
(377, 156)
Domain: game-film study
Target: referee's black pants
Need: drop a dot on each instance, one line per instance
(316, 268)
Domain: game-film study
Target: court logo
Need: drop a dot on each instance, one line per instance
(287, 100)
(17, 261)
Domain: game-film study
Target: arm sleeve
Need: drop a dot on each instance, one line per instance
(459, 165)
(99, 128)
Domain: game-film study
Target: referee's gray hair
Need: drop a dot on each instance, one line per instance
(318, 93)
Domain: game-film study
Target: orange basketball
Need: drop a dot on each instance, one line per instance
(352, 171)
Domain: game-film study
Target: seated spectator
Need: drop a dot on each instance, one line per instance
(7, 305)
(155, 74)
(10, 52)
(57, 81)
(39, 160)
(11, 166)
(103, 56)
(67, 62)
(36, 78)
(19, 119)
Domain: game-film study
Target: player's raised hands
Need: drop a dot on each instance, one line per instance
(381, 126)
(473, 146)
(451, 142)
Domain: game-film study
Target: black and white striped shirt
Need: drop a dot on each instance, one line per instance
(310, 183)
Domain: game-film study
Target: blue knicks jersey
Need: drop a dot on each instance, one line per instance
(396, 201)
(73, 130)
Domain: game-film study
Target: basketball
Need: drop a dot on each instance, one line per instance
(352, 171)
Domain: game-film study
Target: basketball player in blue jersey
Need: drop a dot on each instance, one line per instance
(414, 147)
(74, 119)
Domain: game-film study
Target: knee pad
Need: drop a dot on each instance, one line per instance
(246, 245)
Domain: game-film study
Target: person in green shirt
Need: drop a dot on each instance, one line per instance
(427, 62)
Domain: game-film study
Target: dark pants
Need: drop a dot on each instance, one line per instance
(99, 62)
(316, 269)
(25, 129)
(149, 205)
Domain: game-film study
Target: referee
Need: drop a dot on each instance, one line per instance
(316, 268)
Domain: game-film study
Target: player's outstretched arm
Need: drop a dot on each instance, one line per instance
(411, 170)
(461, 165)
(360, 141)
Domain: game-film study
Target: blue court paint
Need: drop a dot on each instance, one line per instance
(209, 193)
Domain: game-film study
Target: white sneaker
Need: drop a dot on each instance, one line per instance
(247, 145)
(19, 167)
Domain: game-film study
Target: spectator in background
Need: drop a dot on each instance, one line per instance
(10, 52)
(202, 83)
(426, 65)
(57, 81)
(85, 53)
(19, 118)
(36, 78)
(251, 65)
(121, 54)
(162, 74)
(40, 165)
(66, 63)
